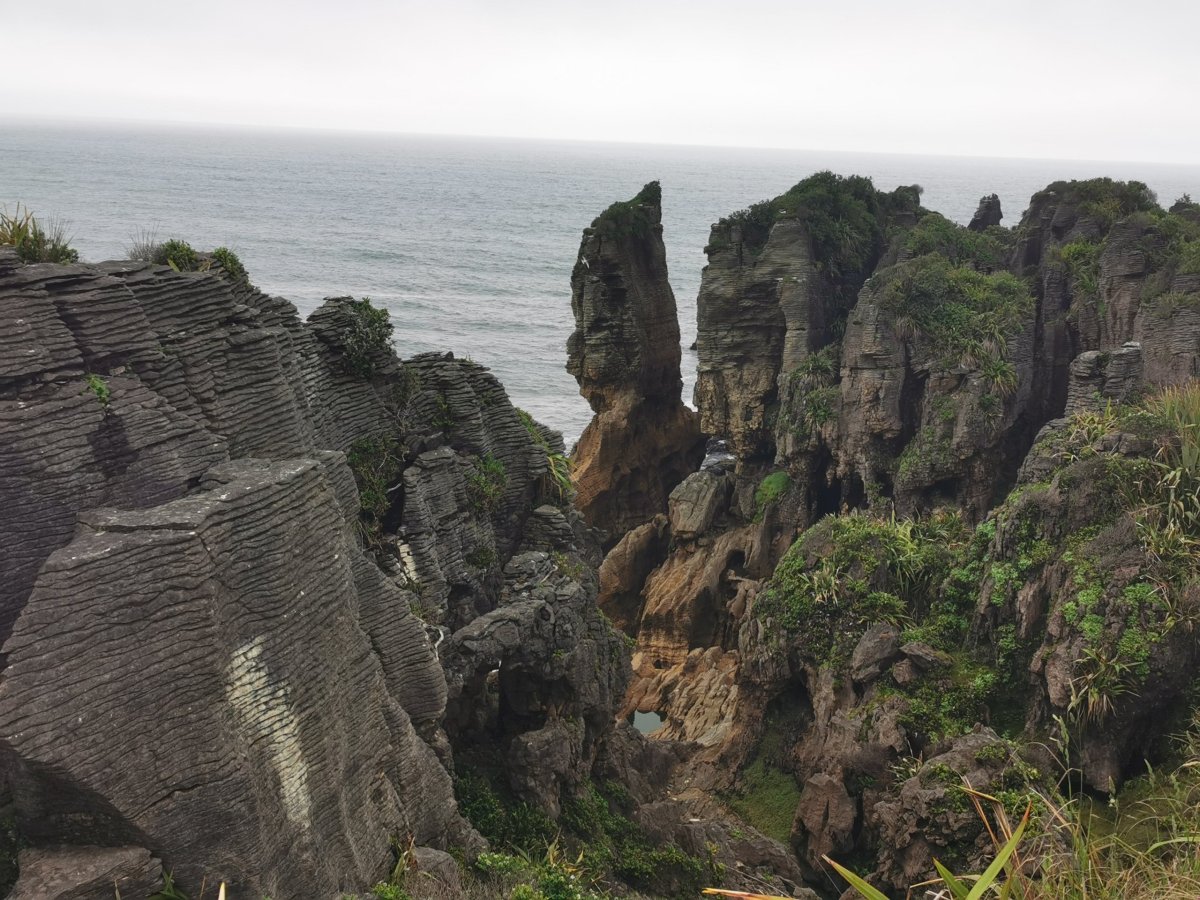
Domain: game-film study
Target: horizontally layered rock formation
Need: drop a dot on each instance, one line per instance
(202, 664)
(625, 354)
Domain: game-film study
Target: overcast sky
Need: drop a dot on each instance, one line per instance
(1078, 79)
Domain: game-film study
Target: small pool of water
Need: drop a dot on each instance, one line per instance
(647, 722)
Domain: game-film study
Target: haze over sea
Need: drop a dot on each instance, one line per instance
(469, 242)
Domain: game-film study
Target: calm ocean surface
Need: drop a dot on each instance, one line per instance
(468, 242)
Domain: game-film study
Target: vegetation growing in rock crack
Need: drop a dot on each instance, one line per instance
(377, 463)
(558, 466)
(486, 482)
(99, 388)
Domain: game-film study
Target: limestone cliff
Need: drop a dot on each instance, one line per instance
(881, 394)
(625, 354)
(222, 524)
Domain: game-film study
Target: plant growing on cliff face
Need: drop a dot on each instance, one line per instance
(99, 387)
(769, 490)
(376, 463)
(229, 262)
(365, 335)
(628, 218)
(557, 464)
(34, 241)
(966, 316)
(486, 482)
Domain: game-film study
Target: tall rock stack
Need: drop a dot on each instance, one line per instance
(625, 354)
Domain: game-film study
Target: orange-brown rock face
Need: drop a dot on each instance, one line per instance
(625, 355)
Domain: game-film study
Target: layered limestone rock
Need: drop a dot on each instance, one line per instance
(190, 476)
(625, 354)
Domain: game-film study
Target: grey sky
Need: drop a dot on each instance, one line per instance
(1082, 79)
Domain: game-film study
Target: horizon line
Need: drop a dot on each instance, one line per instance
(183, 124)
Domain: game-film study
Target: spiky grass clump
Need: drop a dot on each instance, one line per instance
(36, 242)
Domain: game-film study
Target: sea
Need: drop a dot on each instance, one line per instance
(468, 242)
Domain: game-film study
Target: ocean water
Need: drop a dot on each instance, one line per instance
(469, 243)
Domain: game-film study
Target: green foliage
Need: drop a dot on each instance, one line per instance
(169, 890)
(36, 242)
(385, 891)
(485, 484)
(849, 571)
(376, 463)
(99, 387)
(770, 489)
(558, 466)
(1082, 259)
(986, 251)
(512, 826)
(365, 335)
(177, 254)
(229, 262)
(628, 218)
(967, 316)
(1103, 199)
(766, 798)
(844, 216)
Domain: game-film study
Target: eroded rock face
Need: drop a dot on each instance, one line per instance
(987, 214)
(250, 695)
(901, 420)
(625, 354)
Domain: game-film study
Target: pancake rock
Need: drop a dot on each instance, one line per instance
(625, 354)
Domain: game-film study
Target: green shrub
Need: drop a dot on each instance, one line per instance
(35, 242)
(628, 218)
(967, 316)
(99, 387)
(177, 254)
(934, 233)
(844, 217)
(365, 336)
(229, 262)
(377, 463)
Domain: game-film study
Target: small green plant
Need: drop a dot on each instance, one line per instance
(558, 465)
(177, 254)
(100, 388)
(769, 490)
(35, 242)
(229, 262)
(486, 483)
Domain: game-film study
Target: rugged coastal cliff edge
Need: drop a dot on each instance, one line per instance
(282, 610)
(278, 608)
(956, 525)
